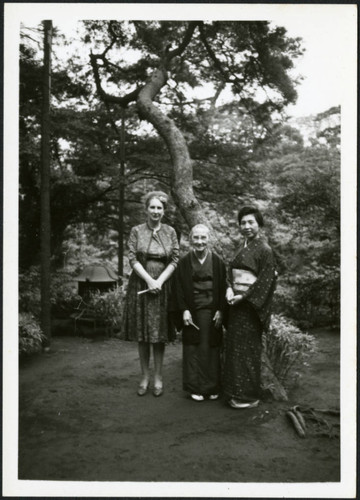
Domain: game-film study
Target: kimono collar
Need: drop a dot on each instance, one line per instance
(203, 259)
(248, 242)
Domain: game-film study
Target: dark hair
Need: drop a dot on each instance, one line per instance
(251, 210)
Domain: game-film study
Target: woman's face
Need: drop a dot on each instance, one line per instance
(249, 226)
(155, 210)
(200, 239)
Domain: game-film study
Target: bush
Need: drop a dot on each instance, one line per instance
(109, 306)
(286, 346)
(64, 296)
(30, 334)
(63, 292)
(311, 298)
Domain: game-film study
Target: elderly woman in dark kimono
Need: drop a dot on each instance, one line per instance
(153, 256)
(198, 300)
(251, 283)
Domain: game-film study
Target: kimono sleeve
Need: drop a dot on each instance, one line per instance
(261, 291)
(228, 276)
(177, 303)
(180, 302)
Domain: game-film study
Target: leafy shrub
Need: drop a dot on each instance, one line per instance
(286, 346)
(64, 296)
(30, 334)
(63, 292)
(109, 306)
(311, 298)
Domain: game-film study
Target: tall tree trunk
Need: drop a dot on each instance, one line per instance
(45, 231)
(121, 196)
(182, 172)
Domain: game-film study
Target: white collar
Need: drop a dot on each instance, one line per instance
(203, 259)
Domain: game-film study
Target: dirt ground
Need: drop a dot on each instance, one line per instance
(80, 419)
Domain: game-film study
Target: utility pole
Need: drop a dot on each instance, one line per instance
(45, 226)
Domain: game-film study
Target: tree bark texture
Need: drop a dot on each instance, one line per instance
(45, 232)
(182, 172)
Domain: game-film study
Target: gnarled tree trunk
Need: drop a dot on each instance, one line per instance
(181, 164)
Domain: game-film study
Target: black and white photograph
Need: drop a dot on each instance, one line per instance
(179, 250)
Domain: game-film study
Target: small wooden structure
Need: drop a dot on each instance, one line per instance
(96, 277)
(93, 278)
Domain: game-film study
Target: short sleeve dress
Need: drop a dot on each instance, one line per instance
(146, 315)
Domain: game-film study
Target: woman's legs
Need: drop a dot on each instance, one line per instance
(158, 351)
(144, 354)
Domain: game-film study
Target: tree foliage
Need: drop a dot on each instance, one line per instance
(211, 89)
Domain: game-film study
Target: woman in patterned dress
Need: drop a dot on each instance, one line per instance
(251, 284)
(153, 256)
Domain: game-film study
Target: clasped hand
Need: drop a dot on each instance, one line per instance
(231, 298)
(154, 286)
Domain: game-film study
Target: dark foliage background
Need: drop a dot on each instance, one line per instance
(242, 151)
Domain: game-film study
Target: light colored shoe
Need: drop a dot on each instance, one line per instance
(197, 397)
(158, 391)
(213, 397)
(239, 405)
(142, 390)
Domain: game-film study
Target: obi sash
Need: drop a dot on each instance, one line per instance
(242, 280)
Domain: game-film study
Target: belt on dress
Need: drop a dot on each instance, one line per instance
(161, 258)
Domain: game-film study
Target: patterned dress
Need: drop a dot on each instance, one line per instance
(146, 315)
(247, 321)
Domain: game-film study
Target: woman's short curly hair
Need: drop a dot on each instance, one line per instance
(251, 210)
(159, 195)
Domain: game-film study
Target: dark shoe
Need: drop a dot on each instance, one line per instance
(142, 390)
(158, 391)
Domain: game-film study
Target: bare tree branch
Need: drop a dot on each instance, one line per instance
(185, 41)
(122, 101)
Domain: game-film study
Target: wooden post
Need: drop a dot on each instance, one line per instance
(45, 226)
(121, 196)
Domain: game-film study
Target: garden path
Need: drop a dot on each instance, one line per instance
(80, 419)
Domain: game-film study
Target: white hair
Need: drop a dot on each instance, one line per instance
(199, 226)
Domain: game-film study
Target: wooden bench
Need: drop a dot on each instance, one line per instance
(88, 317)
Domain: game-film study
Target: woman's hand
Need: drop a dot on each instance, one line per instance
(153, 285)
(229, 295)
(236, 299)
(187, 318)
(217, 319)
(231, 298)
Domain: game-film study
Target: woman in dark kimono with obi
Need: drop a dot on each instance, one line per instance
(251, 284)
(198, 301)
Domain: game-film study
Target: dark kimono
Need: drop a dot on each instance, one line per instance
(200, 288)
(146, 315)
(247, 321)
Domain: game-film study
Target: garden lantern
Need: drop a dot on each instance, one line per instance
(94, 278)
